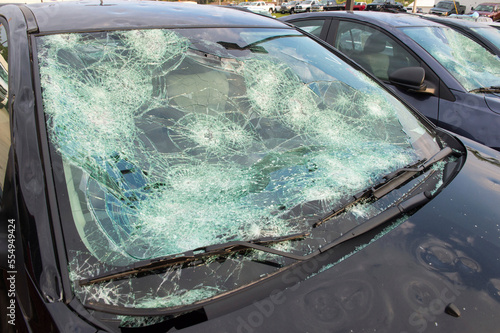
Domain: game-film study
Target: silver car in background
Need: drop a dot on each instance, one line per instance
(288, 7)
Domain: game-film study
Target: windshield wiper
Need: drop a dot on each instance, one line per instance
(236, 246)
(490, 90)
(389, 214)
(390, 182)
(198, 254)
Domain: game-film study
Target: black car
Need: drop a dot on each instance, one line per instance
(446, 8)
(460, 87)
(176, 167)
(482, 33)
(390, 6)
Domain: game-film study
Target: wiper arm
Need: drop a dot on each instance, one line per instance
(387, 215)
(198, 254)
(393, 180)
(236, 246)
(490, 90)
(389, 183)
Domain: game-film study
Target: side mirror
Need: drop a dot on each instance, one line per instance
(410, 78)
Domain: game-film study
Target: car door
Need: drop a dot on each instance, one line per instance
(381, 55)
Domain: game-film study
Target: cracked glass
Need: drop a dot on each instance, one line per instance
(490, 33)
(172, 140)
(471, 64)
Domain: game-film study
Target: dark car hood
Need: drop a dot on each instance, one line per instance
(493, 102)
(437, 272)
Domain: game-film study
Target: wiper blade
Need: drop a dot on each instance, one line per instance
(393, 180)
(389, 183)
(490, 90)
(388, 215)
(200, 253)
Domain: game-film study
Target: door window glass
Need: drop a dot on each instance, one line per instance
(313, 27)
(375, 51)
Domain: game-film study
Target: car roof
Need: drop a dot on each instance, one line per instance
(118, 14)
(388, 19)
(458, 22)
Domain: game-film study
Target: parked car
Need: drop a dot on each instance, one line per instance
(175, 167)
(318, 6)
(305, 6)
(342, 6)
(417, 10)
(488, 9)
(260, 7)
(333, 5)
(288, 7)
(359, 6)
(446, 8)
(390, 6)
(461, 76)
(484, 34)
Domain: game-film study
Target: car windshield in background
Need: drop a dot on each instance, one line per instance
(484, 8)
(469, 62)
(172, 140)
(445, 5)
(490, 33)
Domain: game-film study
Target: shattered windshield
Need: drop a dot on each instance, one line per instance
(470, 63)
(484, 8)
(490, 33)
(176, 139)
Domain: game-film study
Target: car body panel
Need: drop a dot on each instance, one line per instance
(456, 116)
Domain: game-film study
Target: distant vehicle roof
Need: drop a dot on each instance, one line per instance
(458, 21)
(116, 14)
(392, 19)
